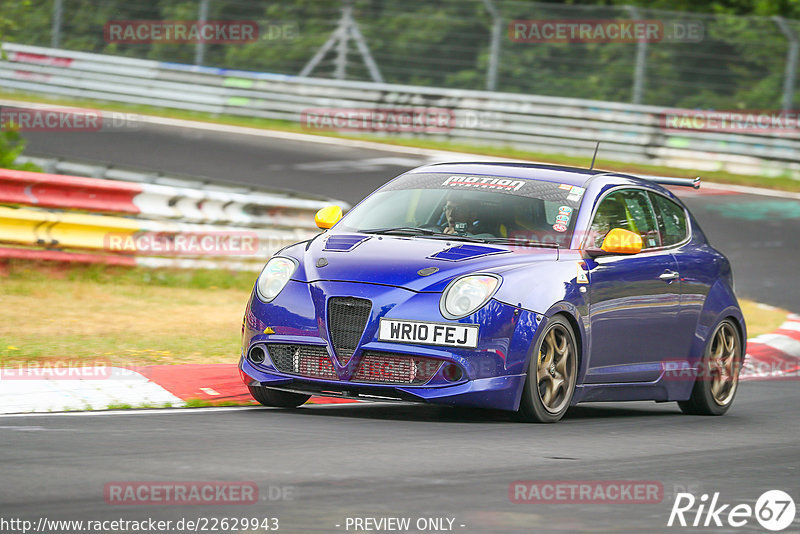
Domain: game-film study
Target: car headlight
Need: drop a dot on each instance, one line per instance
(274, 277)
(467, 294)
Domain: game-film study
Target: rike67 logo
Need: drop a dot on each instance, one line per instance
(774, 510)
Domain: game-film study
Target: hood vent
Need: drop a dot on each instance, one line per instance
(344, 243)
(466, 252)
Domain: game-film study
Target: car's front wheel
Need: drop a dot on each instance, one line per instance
(552, 373)
(277, 399)
(718, 375)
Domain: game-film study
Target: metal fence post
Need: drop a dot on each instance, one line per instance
(494, 46)
(791, 63)
(341, 50)
(58, 15)
(640, 69)
(346, 30)
(200, 47)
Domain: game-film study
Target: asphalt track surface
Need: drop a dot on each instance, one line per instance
(379, 460)
(396, 460)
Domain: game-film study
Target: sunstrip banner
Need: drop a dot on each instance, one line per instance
(484, 182)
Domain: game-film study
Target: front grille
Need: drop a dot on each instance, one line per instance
(347, 317)
(390, 368)
(303, 360)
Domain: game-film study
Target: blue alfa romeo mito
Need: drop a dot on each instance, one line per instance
(518, 287)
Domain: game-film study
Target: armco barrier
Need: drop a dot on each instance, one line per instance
(47, 190)
(44, 216)
(157, 201)
(544, 124)
(33, 227)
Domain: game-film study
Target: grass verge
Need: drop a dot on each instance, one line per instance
(784, 183)
(118, 315)
(127, 316)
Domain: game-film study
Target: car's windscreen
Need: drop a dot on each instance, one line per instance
(471, 207)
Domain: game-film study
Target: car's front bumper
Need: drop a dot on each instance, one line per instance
(492, 373)
(500, 392)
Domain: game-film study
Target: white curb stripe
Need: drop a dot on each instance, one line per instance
(791, 325)
(123, 387)
(157, 411)
(785, 344)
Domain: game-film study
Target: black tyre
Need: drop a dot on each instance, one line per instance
(277, 399)
(552, 374)
(718, 376)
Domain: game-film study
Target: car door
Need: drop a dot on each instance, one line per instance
(693, 265)
(633, 299)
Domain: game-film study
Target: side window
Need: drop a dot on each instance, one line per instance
(628, 209)
(671, 220)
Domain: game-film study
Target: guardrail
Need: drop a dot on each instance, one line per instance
(544, 124)
(68, 218)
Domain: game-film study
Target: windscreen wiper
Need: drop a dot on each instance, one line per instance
(422, 232)
(519, 241)
(401, 230)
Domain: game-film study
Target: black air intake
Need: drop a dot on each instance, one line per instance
(347, 318)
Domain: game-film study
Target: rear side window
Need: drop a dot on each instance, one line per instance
(671, 220)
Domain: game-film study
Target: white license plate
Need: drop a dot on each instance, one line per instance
(448, 335)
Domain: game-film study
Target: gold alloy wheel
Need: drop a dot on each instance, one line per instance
(555, 370)
(723, 364)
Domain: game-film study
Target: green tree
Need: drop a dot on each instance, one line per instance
(11, 145)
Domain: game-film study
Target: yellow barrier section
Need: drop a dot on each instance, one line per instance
(91, 231)
(21, 225)
(64, 230)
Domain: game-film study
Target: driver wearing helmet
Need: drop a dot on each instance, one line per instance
(461, 214)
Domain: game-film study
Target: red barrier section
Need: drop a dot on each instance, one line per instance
(54, 191)
(40, 59)
(57, 255)
(211, 382)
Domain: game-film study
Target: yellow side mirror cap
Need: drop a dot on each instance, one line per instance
(328, 216)
(620, 241)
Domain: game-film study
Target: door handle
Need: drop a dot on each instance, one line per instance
(668, 276)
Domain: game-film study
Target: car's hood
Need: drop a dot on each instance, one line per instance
(397, 261)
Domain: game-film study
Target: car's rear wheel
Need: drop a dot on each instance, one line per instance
(277, 399)
(718, 375)
(552, 373)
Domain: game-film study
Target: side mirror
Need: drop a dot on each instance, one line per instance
(618, 241)
(328, 216)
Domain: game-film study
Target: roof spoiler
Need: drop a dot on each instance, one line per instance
(670, 180)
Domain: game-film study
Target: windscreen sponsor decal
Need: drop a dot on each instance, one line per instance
(575, 193)
(484, 182)
(562, 219)
(564, 214)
